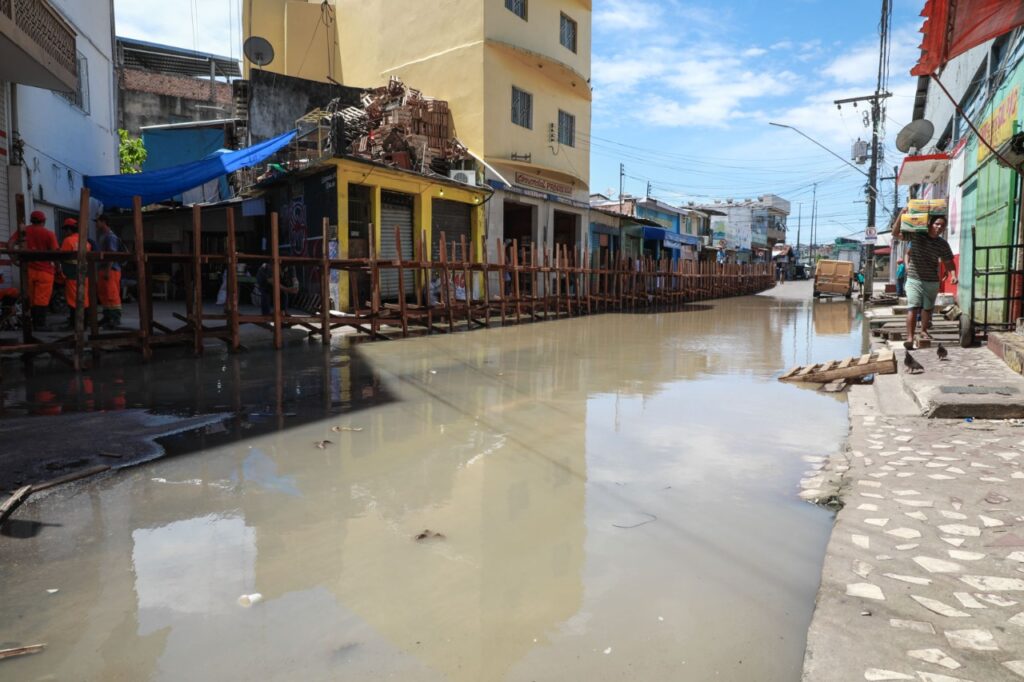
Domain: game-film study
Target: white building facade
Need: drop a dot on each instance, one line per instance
(54, 130)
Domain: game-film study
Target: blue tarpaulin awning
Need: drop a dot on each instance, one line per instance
(673, 240)
(161, 185)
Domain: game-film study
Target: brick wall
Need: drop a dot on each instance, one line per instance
(174, 86)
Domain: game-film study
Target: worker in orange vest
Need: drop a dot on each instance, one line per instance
(70, 270)
(108, 284)
(39, 287)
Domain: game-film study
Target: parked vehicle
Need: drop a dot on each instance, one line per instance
(833, 278)
(799, 272)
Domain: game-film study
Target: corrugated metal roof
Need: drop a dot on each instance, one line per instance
(147, 56)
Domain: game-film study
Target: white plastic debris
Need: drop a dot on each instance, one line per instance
(248, 600)
(52, 591)
(608, 650)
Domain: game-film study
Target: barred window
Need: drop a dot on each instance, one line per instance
(567, 33)
(566, 129)
(80, 96)
(522, 108)
(517, 7)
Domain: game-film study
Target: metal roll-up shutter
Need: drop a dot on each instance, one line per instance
(455, 220)
(395, 209)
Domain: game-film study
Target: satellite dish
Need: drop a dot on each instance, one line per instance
(915, 135)
(258, 50)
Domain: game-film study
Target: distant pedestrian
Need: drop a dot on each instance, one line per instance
(926, 252)
(901, 278)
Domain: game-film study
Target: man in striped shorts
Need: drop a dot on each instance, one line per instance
(927, 249)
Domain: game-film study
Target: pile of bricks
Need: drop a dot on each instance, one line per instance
(407, 130)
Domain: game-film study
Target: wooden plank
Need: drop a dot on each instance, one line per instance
(14, 501)
(859, 370)
(864, 359)
(790, 373)
(837, 386)
(21, 651)
(807, 370)
(141, 289)
(846, 363)
(197, 282)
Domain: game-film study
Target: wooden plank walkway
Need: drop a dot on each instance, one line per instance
(880, 362)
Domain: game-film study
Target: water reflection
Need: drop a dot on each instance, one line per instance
(534, 450)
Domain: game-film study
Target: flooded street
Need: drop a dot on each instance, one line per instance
(615, 497)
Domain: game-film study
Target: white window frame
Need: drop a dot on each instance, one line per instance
(524, 108)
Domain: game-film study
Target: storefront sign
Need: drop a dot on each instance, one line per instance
(543, 184)
(998, 127)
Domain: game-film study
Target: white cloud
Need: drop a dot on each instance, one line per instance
(626, 15)
(782, 45)
(213, 27)
(754, 52)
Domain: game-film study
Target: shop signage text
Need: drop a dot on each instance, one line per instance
(998, 127)
(543, 184)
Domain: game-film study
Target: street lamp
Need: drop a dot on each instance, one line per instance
(803, 134)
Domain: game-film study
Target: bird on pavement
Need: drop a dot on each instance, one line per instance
(912, 364)
(942, 352)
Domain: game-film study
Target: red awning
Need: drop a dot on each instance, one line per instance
(883, 250)
(917, 170)
(952, 27)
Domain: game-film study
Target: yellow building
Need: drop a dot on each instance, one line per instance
(373, 204)
(516, 73)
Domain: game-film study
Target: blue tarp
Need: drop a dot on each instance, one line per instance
(168, 147)
(672, 240)
(161, 185)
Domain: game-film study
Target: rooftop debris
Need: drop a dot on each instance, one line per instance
(398, 126)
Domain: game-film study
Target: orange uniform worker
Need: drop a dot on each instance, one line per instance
(70, 270)
(37, 237)
(108, 284)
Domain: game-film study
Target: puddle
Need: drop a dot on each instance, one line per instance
(607, 498)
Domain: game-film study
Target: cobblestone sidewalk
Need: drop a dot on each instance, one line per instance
(924, 574)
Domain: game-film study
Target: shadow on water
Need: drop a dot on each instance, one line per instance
(61, 422)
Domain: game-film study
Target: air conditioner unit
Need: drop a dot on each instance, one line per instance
(466, 177)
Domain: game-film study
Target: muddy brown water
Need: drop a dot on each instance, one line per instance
(616, 497)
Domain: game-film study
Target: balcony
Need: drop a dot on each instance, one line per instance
(37, 47)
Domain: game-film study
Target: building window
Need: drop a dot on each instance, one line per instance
(517, 7)
(566, 129)
(80, 97)
(522, 108)
(567, 33)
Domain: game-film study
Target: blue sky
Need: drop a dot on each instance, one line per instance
(683, 92)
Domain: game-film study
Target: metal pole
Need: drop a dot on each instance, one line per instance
(799, 220)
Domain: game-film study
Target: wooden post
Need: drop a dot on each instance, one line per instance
(467, 283)
(232, 265)
(275, 269)
(401, 282)
(446, 284)
(81, 277)
(515, 280)
(486, 262)
(145, 303)
(325, 287)
(197, 281)
(374, 284)
(502, 271)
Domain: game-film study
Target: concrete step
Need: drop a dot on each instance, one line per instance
(973, 382)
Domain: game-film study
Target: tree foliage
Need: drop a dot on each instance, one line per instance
(131, 151)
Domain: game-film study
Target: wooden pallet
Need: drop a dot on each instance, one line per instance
(880, 362)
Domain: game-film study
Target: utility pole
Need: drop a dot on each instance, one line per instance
(648, 189)
(622, 177)
(799, 217)
(876, 116)
(814, 224)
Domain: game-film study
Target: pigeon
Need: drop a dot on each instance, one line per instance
(911, 364)
(942, 352)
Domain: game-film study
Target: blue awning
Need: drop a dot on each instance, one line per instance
(161, 185)
(672, 240)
